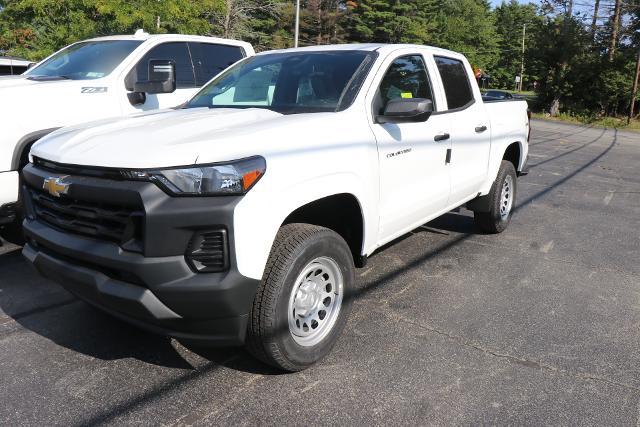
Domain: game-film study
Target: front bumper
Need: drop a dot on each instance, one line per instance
(152, 286)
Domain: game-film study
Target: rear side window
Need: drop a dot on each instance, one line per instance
(211, 59)
(406, 78)
(456, 82)
(176, 51)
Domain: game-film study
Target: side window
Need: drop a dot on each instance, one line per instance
(210, 59)
(406, 78)
(455, 81)
(176, 51)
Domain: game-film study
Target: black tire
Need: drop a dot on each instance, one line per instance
(493, 221)
(268, 336)
(13, 232)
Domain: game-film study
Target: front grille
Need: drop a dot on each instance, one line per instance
(208, 251)
(102, 221)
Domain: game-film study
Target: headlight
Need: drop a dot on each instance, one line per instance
(235, 177)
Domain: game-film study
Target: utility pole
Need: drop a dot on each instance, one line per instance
(614, 33)
(594, 22)
(297, 36)
(524, 32)
(634, 91)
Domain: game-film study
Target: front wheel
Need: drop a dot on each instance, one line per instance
(502, 199)
(303, 302)
(13, 232)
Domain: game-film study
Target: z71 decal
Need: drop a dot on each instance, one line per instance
(100, 89)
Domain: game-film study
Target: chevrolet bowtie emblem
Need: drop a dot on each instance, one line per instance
(56, 186)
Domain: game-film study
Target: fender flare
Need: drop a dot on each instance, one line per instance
(24, 142)
(253, 251)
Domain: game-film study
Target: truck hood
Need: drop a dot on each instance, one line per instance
(48, 101)
(15, 81)
(159, 139)
(22, 81)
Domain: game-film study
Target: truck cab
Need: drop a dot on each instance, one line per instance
(98, 79)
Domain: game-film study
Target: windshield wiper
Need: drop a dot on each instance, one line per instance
(48, 78)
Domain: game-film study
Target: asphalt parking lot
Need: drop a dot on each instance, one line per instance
(539, 325)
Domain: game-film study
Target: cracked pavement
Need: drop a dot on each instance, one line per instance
(539, 325)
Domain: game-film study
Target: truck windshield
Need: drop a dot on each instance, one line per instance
(289, 83)
(85, 60)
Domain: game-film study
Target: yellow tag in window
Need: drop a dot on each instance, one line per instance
(406, 95)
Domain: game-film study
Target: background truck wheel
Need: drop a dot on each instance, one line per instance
(303, 301)
(502, 198)
(12, 232)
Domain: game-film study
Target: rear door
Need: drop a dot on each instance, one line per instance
(210, 59)
(470, 133)
(414, 176)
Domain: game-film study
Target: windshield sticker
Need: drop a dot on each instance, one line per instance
(99, 89)
(94, 75)
(406, 95)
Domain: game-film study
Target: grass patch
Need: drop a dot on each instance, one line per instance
(605, 122)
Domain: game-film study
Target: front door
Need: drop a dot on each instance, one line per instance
(185, 77)
(414, 177)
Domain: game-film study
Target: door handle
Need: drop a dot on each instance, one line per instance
(441, 137)
(480, 129)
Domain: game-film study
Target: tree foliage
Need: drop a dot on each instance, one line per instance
(577, 58)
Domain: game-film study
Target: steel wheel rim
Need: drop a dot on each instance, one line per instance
(506, 197)
(315, 301)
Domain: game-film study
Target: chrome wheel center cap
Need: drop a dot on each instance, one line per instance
(306, 299)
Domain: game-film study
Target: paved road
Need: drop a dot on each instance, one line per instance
(540, 325)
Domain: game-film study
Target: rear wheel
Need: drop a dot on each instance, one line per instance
(502, 201)
(303, 301)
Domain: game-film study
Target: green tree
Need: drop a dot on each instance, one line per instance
(467, 26)
(395, 21)
(156, 16)
(36, 28)
(321, 22)
(510, 19)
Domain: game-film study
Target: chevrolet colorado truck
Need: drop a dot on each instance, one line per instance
(240, 217)
(96, 79)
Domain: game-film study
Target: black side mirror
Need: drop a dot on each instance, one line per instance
(162, 77)
(406, 110)
(137, 98)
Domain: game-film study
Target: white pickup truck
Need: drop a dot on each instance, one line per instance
(240, 217)
(96, 79)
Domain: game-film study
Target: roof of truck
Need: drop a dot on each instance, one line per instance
(142, 36)
(370, 47)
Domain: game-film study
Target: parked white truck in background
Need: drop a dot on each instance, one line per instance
(239, 217)
(96, 79)
(12, 66)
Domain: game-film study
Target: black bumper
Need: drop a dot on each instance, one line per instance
(150, 283)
